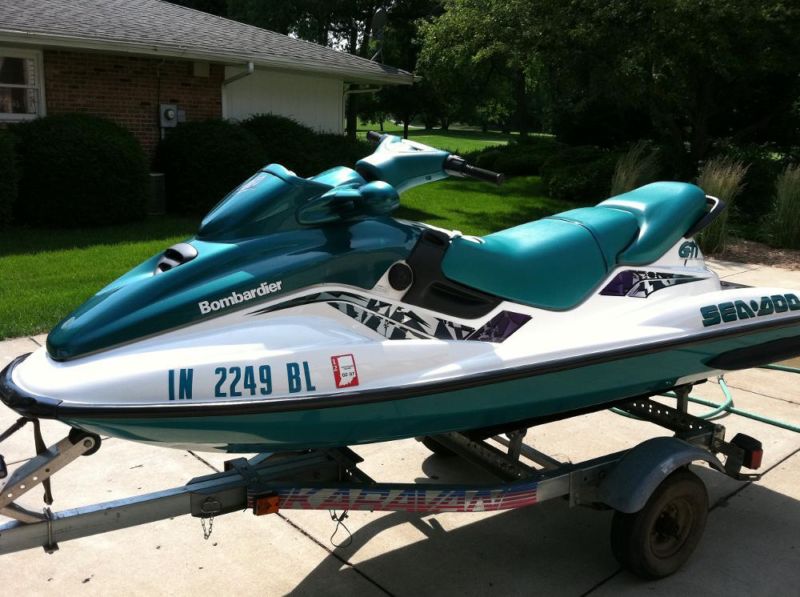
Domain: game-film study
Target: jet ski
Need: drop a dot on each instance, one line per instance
(303, 315)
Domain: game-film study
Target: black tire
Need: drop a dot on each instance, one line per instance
(436, 447)
(76, 435)
(657, 540)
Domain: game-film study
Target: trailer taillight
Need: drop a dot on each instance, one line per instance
(265, 504)
(753, 450)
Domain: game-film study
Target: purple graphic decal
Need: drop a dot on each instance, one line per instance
(500, 327)
(641, 284)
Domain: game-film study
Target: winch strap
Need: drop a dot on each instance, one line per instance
(19, 424)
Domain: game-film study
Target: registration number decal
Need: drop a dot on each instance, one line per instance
(246, 381)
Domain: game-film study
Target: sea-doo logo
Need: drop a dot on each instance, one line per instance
(735, 310)
(239, 297)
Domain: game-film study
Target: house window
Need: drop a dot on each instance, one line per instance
(21, 94)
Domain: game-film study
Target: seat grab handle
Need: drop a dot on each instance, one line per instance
(715, 208)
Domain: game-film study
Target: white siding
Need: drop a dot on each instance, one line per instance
(316, 102)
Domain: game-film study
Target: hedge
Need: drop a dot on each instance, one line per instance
(79, 170)
(8, 178)
(581, 174)
(518, 158)
(301, 149)
(203, 161)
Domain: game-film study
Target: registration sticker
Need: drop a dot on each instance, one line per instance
(344, 371)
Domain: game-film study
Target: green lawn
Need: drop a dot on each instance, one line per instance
(45, 274)
(477, 207)
(453, 140)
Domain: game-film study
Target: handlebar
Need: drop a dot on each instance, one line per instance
(457, 166)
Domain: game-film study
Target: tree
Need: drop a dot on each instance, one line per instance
(479, 56)
(400, 48)
(685, 71)
(274, 15)
(215, 7)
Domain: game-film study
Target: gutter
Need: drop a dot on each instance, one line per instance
(350, 75)
(351, 91)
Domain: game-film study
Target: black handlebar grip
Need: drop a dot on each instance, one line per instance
(481, 174)
(374, 137)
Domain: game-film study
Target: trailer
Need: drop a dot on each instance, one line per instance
(660, 505)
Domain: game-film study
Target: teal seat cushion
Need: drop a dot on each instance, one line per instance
(550, 263)
(612, 229)
(664, 212)
(557, 262)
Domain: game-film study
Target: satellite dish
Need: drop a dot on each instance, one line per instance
(378, 23)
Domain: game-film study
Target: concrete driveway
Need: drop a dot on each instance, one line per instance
(751, 544)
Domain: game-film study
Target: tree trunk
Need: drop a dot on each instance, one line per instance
(352, 99)
(405, 127)
(521, 98)
(700, 138)
(352, 116)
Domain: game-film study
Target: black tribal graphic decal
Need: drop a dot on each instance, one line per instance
(397, 322)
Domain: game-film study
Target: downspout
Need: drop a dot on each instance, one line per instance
(251, 68)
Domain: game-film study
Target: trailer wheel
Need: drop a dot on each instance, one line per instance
(657, 540)
(436, 447)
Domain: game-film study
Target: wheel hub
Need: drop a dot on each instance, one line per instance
(671, 528)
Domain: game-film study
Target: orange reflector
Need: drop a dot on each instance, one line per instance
(267, 504)
(753, 459)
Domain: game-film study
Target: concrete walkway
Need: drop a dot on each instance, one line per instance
(751, 544)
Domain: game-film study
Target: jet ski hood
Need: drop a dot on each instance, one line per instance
(275, 234)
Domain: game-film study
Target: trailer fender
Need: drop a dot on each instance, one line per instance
(636, 476)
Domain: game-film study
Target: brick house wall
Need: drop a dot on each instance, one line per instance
(128, 89)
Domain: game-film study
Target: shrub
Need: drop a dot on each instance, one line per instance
(722, 178)
(637, 167)
(786, 214)
(335, 150)
(203, 161)
(79, 170)
(580, 174)
(764, 164)
(8, 177)
(518, 158)
(283, 140)
(300, 149)
(675, 161)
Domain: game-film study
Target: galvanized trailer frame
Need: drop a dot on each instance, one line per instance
(330, 479)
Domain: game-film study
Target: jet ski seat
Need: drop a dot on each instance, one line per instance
(556, 262)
